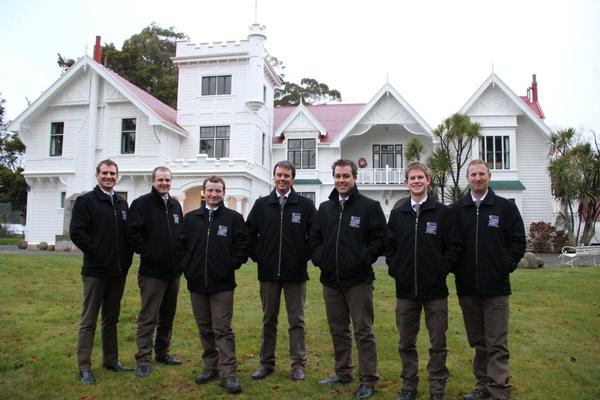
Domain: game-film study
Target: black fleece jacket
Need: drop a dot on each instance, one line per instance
(98, 228)
(212, 249)
(494, 242)
(279, 238)
(421, 250)
(347, 242)
(153, 231)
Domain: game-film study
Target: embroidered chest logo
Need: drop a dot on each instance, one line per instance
(354, 222)
(175, 218)
(296, 217)
(431, 228)
(494, 221)
(222, 231)
(124, 215)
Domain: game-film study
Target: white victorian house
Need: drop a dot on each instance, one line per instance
(226, 124)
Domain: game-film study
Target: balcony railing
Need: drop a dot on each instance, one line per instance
(380, 176)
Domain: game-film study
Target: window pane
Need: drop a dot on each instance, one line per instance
(222, 131)
(489, 151)
(56, 145)
(376, 160)
(205, 86)
(57, 128)
(207, 131)
(207, 147)
(222, 149)
(224, 84)
(294, 144)
(506, 152)
(308, 143)
(128, 124)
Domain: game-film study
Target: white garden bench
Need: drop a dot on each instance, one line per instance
(572, 253)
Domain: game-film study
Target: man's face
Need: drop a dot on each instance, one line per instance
(417, 183)
(283, 180)
(343, 179)
(213, 193)
(107, 177)
(162, 182)
(479, 178)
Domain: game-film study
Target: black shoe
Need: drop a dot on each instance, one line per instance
(437, 396)
(262, 372)
(206, 376)
(335, 380)
(118, 367)
(86, 377)
(143, 371)
(298, 374)
(407, 395)
(231, 385)
(365, 390)
(477, 395)
(168, 359)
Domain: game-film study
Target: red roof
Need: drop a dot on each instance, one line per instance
(163, 111)
(333, 117)
(534, 105)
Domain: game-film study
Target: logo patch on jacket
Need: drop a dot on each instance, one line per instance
(124, 215)
(222, 231)
(296, 217)
(431, 228)
(354, 222)
(175, 218)
(494, 221)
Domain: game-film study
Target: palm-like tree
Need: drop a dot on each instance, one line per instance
(414, 150)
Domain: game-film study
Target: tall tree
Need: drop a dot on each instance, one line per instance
(413, 150)
(455, 136)
(13, 188)
(575, 179)
(145, 61)
(310, 91)
(440, 166)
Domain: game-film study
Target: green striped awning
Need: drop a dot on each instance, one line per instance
(307, 182)
(507, 185)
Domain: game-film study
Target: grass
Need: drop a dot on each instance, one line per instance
(9, 240)
(554, 339)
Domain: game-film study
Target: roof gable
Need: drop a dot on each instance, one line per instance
(298, 114)
(514, 101)
(157, 112)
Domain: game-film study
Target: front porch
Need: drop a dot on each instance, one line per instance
(380, 176)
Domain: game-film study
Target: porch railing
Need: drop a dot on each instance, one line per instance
(380, 176)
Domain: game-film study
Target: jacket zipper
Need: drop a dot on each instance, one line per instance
(170, 237)
(114, 207)
(337, 245)
(280, 240)
(477, 249)
(210, 218)
(416, 232)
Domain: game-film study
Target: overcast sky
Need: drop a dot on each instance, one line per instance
(436, 53)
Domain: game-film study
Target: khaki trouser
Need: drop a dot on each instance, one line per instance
(213, 313)
(270, 296)
(408, 319)
(486, 323)
(105, 293)
(352, 304)
(159, 304)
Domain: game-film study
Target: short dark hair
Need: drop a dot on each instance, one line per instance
(344, 163)
(213, 179)
(416, 165)
(109, 163)
(285, 164)
(161, 169)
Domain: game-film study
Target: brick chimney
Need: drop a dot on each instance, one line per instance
(534, 92)
(98, 51)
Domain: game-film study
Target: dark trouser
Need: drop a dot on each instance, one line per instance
(270, 296)
(159, 304)
(408, 318)
(486, 323)
(105, 293)
(213, 314)
(356, 304)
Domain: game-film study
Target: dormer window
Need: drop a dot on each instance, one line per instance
(495, 151)
(302, 152)
(216, 85)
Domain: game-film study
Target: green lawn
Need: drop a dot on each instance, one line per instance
(10, 240)
(555, 343)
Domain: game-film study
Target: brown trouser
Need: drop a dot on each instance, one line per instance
(342, 305)
(486, 323)
(270, 296)
(159, 303)
(408, 319)
(105, 293)
(213, 314)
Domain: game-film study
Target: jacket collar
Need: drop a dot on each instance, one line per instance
(490, 199)
(201, 211)
(104, 197)
(158, 197)
(335, 196)
(427, 205)
(274, 197)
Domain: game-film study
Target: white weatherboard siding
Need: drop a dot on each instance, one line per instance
(44, 214)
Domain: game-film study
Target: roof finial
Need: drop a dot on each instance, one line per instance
(387, 77)
(256, 11)
(493, 76)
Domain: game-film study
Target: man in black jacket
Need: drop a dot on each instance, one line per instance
(348, 236)
(494, 242)
(422, 247)
(98, 229)
(279, 225)
(214, 243)
(153, 231)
